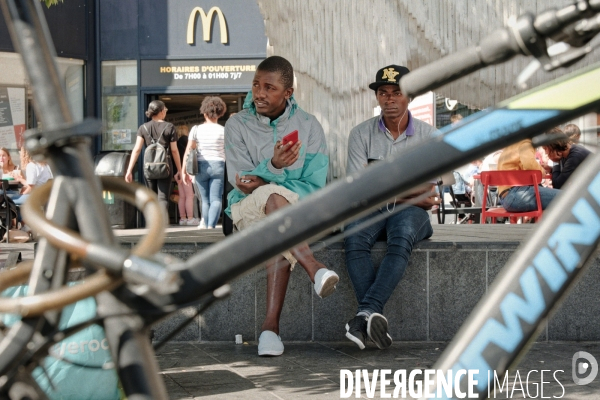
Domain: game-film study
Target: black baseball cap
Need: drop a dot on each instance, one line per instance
(389, 75)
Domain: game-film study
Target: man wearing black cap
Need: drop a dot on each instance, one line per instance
(376, 139)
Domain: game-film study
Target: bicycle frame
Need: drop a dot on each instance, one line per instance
(524, 116)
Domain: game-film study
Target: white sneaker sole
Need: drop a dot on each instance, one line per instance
(270, 353)
(331, 279)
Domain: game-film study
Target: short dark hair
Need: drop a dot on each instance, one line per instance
(154, 108)
(281, 65)
(213, 106)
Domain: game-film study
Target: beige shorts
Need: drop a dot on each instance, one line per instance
(252, 209)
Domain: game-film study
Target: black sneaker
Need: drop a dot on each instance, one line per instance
(356, 330)
(377, 329)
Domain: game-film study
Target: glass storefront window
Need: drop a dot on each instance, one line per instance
(119, 105)
(16, 111)
(71, 73)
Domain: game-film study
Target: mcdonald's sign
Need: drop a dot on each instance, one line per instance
(206, 24)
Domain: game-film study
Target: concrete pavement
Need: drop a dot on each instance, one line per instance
(311, 370)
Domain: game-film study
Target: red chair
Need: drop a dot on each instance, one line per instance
(510, 178)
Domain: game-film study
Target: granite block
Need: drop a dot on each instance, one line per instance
(236, 314)
(496, 261)
(577, 318)
(406, 310)
(190, 333)
(182, 246)
(332, 313)
(296, 317)
(458, 278)
(456, 284)
(182, 251)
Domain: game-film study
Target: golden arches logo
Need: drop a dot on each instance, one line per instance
(206, 20)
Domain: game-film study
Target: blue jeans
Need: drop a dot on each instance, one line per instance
(18, 198)
(373, 287)
(522, 198)
(210, 179)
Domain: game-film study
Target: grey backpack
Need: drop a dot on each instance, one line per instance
(156, 159)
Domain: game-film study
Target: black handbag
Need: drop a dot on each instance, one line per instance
(191, 162)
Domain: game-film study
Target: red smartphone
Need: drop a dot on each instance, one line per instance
(290, 137)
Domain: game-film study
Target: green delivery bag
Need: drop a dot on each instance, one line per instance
(89, 347)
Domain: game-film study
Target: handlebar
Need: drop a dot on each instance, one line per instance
(527, 36)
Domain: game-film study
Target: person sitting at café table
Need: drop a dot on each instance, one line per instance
(521, 156)
(566, 158)
(7, 167)
(36, 173)
(6, 161)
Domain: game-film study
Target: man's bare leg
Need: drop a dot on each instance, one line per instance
(302, 252)
(278, 276)
(307, 260)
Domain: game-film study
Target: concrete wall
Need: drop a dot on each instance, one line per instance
(336, 47)
(442, 284)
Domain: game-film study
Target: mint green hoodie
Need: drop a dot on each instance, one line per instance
(249, 141)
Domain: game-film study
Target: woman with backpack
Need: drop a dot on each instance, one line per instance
(161, 152)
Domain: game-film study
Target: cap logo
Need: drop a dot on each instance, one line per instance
(389, 74)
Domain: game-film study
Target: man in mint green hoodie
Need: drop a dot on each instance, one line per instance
(267, 175)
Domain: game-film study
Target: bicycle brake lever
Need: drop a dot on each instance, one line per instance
(534, 65)
(574, 38)
(561, 54)
(573, 55)
(580, 33)
(582, 38)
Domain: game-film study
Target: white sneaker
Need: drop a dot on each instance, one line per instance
(269, 344)
(183, 221)
(325, 281)
(193, 222)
